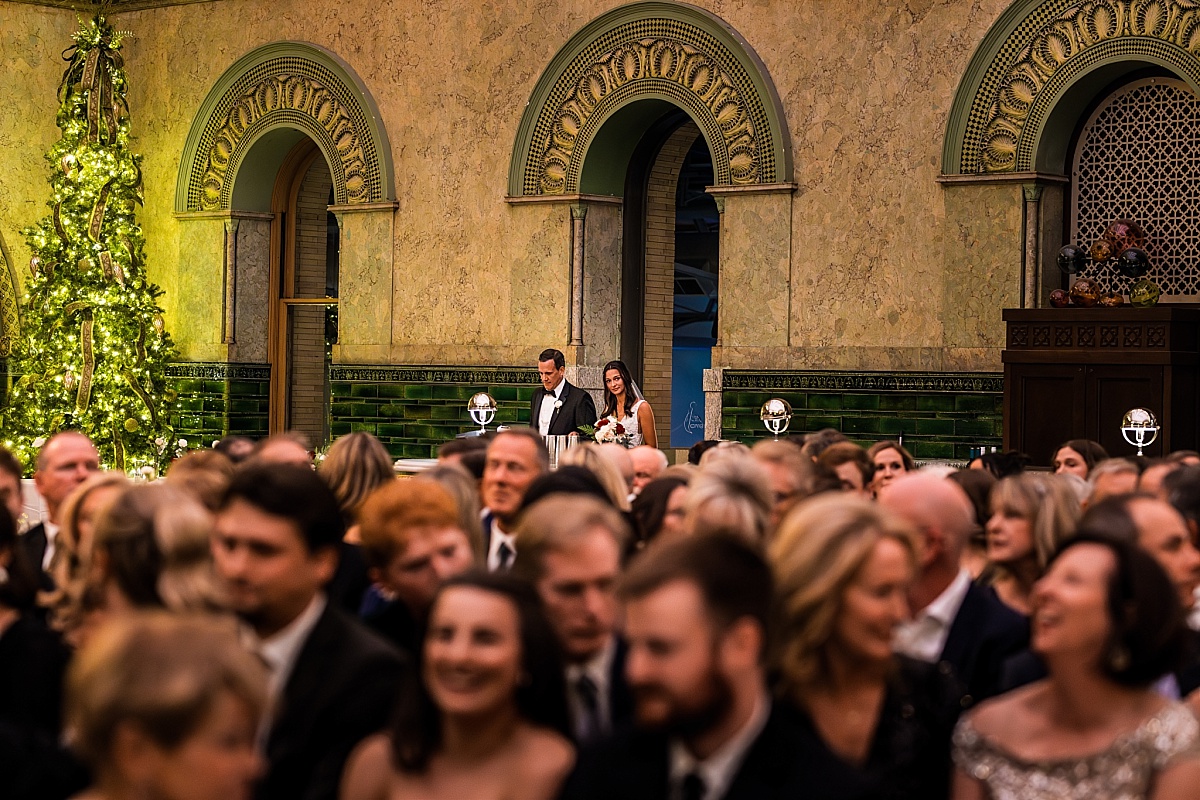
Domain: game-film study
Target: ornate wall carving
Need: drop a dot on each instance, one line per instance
(1057, 41)
(653, 56)
(299, 90)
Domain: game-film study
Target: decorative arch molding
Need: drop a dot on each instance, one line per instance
(652, 50)
(10, 307)
(286, 85)
(1036, 51)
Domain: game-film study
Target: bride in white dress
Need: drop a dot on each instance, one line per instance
(623, 403)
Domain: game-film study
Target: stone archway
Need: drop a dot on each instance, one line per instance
(666, 51)
(1036, 52)
(286, 85)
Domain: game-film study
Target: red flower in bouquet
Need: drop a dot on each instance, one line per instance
(602, 423)
(620, 429)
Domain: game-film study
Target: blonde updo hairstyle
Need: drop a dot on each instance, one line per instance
(816, 555)
(153, 545)
(590, 457)
(356, 465)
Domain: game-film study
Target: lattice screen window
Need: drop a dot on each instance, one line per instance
(1139, 159)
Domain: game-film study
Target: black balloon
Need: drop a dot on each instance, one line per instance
(1072, 259)
(1133, 263)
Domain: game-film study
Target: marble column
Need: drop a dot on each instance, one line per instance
(578, 232)
(1031, 273)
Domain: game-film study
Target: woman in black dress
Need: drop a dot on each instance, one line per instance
(843, 567)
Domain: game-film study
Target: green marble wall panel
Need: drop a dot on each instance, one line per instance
(940, 415)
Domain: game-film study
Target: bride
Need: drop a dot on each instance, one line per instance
(623, 403)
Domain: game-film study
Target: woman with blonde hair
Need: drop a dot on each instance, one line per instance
(1031, 515)
(592, 458)
(73, 546)
(166, 706)
(730, 495)
(356, 465)
(843, 567)
(152, 550)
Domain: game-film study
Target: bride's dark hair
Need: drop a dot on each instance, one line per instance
(610, 399)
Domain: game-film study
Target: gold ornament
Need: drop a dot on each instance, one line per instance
(69, 164)
(34, 263)
(158, 323)
(131, 425)
(170, 395)
(69, 380)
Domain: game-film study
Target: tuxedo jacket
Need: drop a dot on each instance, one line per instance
(342, 688)
(577, 409)
(634, 765)
(984, 634)
(33, 545)
(620, 696)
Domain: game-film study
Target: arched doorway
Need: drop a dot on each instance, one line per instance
(303, 281)
(669, 272)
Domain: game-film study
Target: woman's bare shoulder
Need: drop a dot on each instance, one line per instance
(368, 770)
(1001, 716)
(545, 755)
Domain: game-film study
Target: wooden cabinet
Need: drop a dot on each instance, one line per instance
(1073, 373)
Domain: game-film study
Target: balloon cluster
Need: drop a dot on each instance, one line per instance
(1123, 246)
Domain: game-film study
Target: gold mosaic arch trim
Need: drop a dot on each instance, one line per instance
(287, 91)
(663, 58)
(10, 315)
(1056, 42)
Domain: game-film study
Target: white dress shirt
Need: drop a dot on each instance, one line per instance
(547, 410)
(599, 670)
(924, 636)
(499, 537)
(51, 530)
(279, 652)
(718, 770)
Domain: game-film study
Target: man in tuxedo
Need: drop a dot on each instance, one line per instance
(558, 408)
(954, 621)
(515, 458)
(570, 549)
(64, 462)
(332, 682)
(696, 614)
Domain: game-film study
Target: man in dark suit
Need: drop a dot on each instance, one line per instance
(706, 728)
(954, 622)
(558, 408)
(333, 683)
(515, 458)
(64, 462)
(569, 547)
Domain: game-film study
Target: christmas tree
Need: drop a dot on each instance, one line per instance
(93, 351)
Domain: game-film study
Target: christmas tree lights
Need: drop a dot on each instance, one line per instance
(93, 349)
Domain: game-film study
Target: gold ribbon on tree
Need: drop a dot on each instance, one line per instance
(141, 393)
(83, 397)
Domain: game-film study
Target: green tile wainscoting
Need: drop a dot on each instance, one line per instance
(941, 415)
(219, 399)
(414, 409)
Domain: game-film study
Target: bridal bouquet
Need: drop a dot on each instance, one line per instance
(609, 430)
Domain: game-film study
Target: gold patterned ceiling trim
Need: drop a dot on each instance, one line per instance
(114, 6)
(662, 57)
(1057, 42)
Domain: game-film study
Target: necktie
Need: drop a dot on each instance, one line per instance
(505, 554)
(589, 697)
(693, 787)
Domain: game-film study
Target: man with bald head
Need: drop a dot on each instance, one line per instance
(64, 462)
(954, 621)
(648, 464)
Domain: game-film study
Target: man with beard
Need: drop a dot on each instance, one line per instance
(696, 614)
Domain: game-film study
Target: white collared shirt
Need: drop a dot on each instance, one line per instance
(498, 536)
(924, 636)
(549, 400)
(281, 650)
(51, 530)
(718, 770)
(599, 670)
